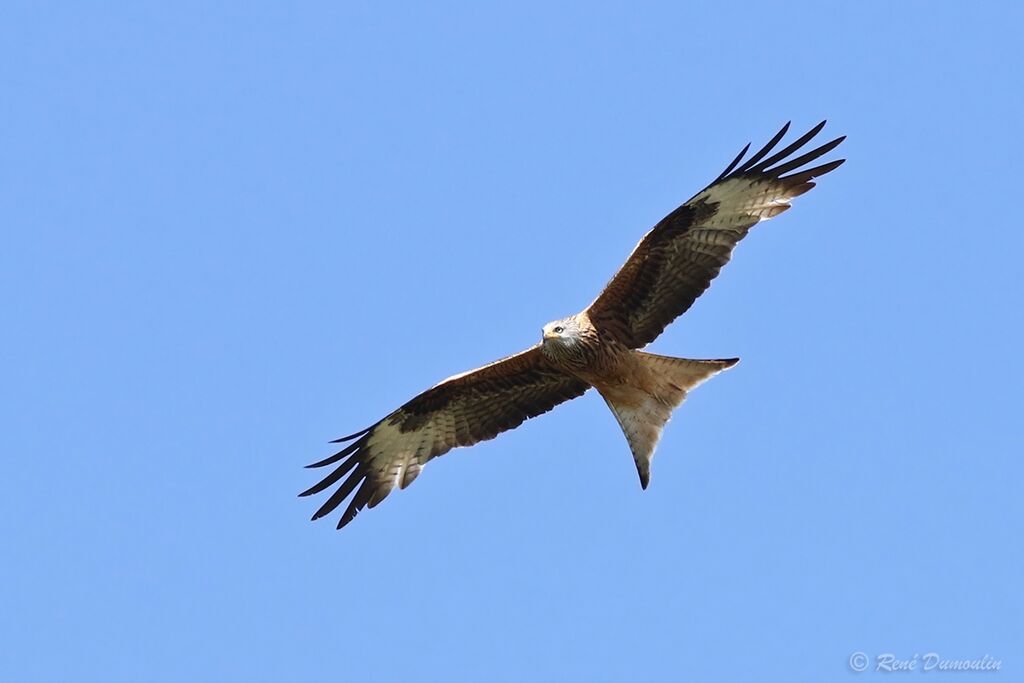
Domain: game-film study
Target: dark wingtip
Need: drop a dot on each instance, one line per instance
(789, 149)
(331, 459)
(728, 169)
(768, 147)
(804, 177)
(332, 478)
(358, 502)
(350, 436)
(804, 159)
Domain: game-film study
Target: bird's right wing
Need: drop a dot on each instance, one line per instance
(460, 411)
(677, 260)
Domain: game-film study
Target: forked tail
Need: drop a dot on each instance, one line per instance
(643, 409)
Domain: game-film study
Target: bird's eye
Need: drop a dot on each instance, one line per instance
(558, 329)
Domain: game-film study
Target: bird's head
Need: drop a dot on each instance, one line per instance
(562, 332)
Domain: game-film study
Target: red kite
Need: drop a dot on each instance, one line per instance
(599, 347)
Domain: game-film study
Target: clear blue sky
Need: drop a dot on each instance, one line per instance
(231, 234)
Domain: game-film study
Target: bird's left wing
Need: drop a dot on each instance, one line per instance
(460, 411)
(677, 260)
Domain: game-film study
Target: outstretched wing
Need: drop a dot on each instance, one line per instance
(460, 411)
(677, 260)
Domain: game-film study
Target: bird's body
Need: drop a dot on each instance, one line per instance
(599, 347)
(641, 388)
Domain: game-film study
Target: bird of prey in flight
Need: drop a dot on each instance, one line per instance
(598, 347)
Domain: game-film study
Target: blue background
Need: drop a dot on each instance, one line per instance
(233, 233)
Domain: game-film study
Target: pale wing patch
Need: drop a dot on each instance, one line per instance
(396, 457)
(743, 202)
